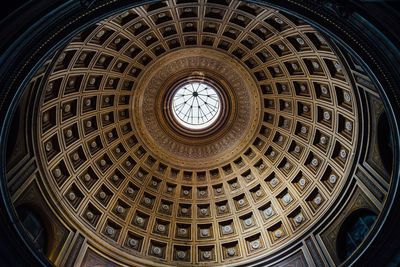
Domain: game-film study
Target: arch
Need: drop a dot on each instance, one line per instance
(353, 232)
(385, 142)
(34, 226)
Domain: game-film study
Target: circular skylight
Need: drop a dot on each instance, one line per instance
(196, 105)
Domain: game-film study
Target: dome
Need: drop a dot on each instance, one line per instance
(211, 133)
(141, 179)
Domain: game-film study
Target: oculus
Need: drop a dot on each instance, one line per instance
(196, 105)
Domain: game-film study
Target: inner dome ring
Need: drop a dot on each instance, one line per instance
(232, 131)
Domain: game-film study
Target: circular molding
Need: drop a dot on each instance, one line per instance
(239, 120)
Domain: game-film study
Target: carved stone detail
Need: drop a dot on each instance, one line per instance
(241, 128)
